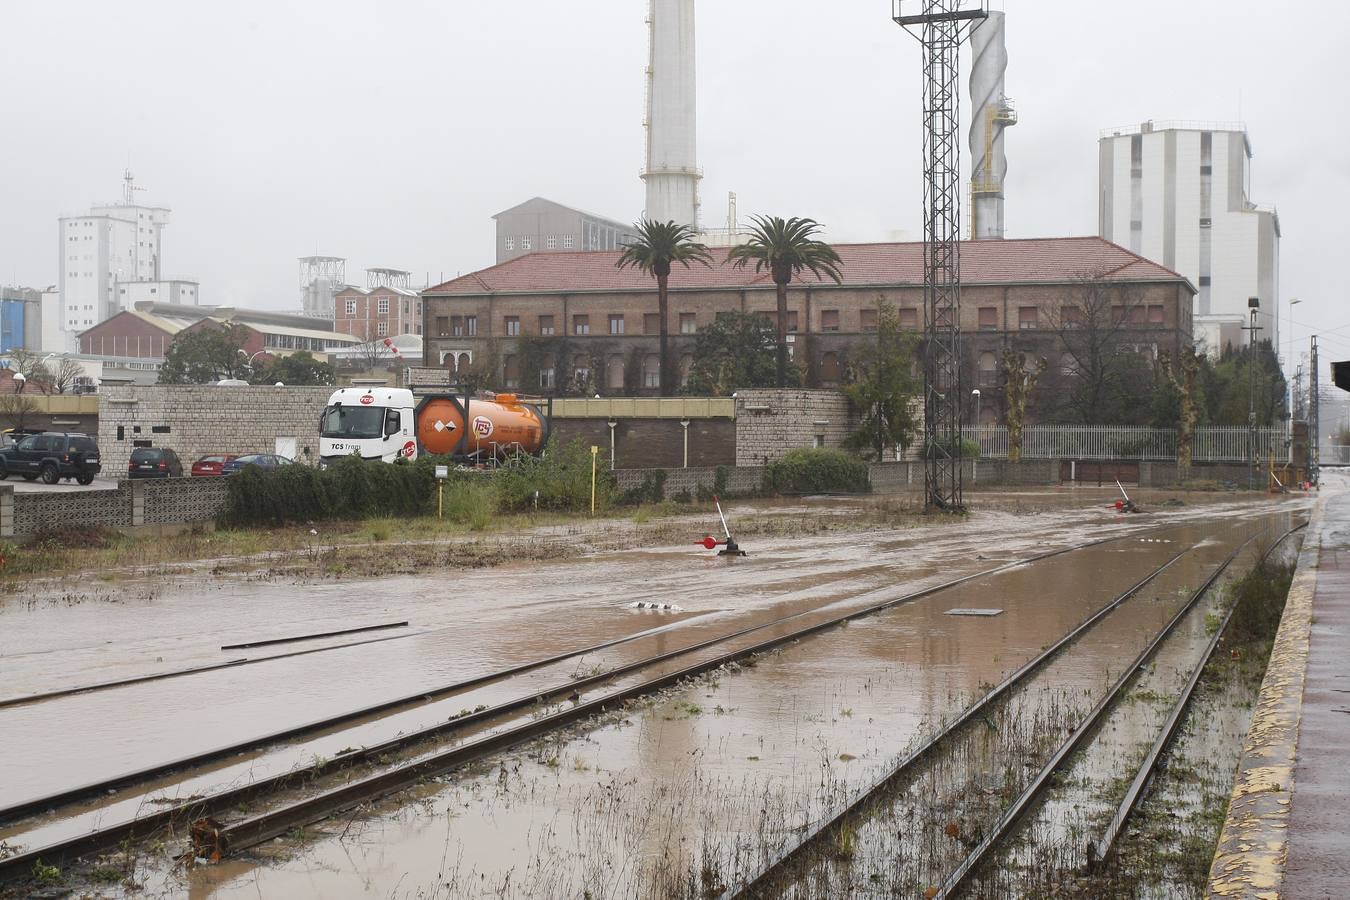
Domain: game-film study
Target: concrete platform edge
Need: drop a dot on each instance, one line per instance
(1254, 844)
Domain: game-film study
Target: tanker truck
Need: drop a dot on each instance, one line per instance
(390, 423)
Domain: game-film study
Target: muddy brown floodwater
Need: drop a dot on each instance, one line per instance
(675, 795)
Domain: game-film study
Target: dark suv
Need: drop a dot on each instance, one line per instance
(53, 455)
(154, 462)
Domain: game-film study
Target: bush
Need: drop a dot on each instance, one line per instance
(351, 488)
(810, 471)
(969, 449)
(471, 501)
(561, 478)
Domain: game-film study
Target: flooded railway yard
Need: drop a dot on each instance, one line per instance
(528, 732)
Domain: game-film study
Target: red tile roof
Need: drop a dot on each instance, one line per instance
(982, 262)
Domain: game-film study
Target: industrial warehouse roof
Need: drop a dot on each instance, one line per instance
(982, 262)
(172, 324)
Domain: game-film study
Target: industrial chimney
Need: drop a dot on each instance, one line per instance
(672, 171)
(992, 112)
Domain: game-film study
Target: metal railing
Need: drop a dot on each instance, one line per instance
(1212, 444)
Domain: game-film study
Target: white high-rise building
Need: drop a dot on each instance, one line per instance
(1178, 193)
(106, 251)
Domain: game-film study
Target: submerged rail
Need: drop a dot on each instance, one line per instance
(1008, 821)
(1099, 850)
(751, 886)
(318, 807)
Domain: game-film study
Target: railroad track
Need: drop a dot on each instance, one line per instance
(769, 877)
(380, 783)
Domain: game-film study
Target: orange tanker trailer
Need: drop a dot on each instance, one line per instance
(470, 427)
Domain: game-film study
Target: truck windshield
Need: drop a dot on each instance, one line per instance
(353, 422)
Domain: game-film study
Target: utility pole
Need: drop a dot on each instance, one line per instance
(1253, 304)
(1314, 417)
(941, 26)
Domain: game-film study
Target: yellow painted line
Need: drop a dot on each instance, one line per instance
(1254, 844)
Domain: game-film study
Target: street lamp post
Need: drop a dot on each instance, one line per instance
(975, 461)
(1253, 304)
(612, 425)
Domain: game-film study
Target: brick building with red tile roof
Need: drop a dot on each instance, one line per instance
(537, 320)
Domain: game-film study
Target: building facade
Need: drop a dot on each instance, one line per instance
(540, 225)
(1179, 194)
(571, 323)
(136, 340)
(377, 313)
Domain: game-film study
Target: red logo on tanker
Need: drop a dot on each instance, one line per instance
(367, 399)
(409, 449)
(482, 426)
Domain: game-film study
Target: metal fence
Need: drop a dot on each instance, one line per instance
(1130, 442)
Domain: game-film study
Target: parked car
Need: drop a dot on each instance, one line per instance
(53, 455)
(211, 464)
(261, 460)
(154, 462)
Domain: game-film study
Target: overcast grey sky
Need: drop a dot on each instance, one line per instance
(390, 133)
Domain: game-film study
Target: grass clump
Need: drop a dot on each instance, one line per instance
(560, 480)
(815, 470)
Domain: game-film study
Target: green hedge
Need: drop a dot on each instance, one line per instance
(810, 471)
(348, 489)
(355, 489)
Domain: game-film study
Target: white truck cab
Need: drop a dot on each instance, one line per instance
(374, 423)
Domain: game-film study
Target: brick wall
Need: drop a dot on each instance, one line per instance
(654, 443)
(771, 422)
(194, 420)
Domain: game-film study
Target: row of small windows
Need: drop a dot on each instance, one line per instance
(581, 373)
(1028, 317)
(381, 307)
(550, 242)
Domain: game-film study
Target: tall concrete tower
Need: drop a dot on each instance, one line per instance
(992, 112)
(672, 171)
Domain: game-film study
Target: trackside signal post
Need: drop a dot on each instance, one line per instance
(941, 26)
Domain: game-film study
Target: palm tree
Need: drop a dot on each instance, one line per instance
(658, 245)
(785, 247)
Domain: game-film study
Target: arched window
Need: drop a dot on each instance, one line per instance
(614, 373)
(465, 360)
(829, 366)
(651, 371)
(686, 365)
(988, 369)
(1068, 365)
(511, 371)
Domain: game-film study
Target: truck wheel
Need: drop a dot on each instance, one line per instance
(50, 474)
(85, 479)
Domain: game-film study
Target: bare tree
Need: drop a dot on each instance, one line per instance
(1019, 379)
(66, 374)
(15, 409)
(1094, 328)
(1184, 382)
(35, 374)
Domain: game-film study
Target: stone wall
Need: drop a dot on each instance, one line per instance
(740, 479)
(194, 420)
(170, 501)
(771, 422)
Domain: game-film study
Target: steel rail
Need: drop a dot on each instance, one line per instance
(957, 878)
(195, 670)
(103, 787)
(1099, 850)
(314, 637)
(141, 827)
(749, 886)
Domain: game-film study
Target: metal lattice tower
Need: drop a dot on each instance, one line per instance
(941, 26)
